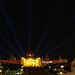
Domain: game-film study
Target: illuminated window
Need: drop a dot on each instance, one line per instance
(29, 54)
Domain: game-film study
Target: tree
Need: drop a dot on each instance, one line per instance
(1, 67)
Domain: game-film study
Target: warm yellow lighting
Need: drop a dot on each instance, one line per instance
(49, 66)
(0, 70)
(55, 69)
(30, 62)
(61, 72)
(18, 73)
(22, 58)
(29, 54)
(39, 58)
(21, 69)
(62, 66)
(21, 66)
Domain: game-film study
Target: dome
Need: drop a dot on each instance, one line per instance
(29, 51)
(29, 54)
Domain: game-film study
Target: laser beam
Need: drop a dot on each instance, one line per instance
(65, 51)
(68, 23)
(6, 18)
(9, 44)
(61, 44)
(4, 56)
(50, 23)
(5, 51)
(29, 21)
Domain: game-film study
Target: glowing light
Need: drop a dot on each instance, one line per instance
(21, 69)
(18, 73)
(50, 61)
(60, 72)
(50, 23)
(29, 54)
(21, 66)
(0, 70)
(11, 27)
(55, 69)
(46, 62)
(38, 57)
(49, 66)
(62, 66)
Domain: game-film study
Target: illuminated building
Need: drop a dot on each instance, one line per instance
(30, 60)
(48, 61)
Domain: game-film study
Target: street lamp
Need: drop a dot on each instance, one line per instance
(61, 73)
(62, 66)
(18, 73)
(0, 71)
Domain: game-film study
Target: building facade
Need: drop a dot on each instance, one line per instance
(31, 61)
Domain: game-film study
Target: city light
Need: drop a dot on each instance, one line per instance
(21, 66)
(21, 69)
(60, 73)
(49, 66)
(55, 69)
(18, 73)
(47, 62)
(62, 66)
(0, 71)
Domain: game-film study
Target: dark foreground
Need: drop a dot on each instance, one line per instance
(37, 71)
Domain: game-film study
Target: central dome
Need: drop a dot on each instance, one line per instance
(29, 54)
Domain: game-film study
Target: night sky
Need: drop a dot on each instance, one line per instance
(36, 14)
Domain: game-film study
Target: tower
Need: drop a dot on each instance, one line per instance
(47, 57)
(12, 57)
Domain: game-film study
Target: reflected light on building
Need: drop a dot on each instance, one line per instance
(31, 62)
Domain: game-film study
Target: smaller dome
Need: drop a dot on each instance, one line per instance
(29, 54)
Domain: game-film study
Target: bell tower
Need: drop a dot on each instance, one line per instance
(12, 57)
(47, 57)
